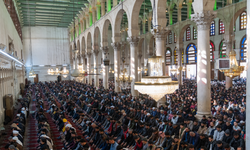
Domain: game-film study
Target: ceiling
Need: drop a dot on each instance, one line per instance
(57, 13)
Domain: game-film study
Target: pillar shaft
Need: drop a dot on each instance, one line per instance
(98, 11)
(94, 15)
(160, 45)
(90, 19)
(203, 17)
(133, 63)
(108, 4)
(114, 3)
(87, 21)
(170, 17)
(248, 77)
(189, 10)
(179, 13)
(149, 24)
(89, 68)
(117, 48)
(95, 53)
(229, 46)
(103, 7)
(84, 65)
(105, 72)
(139, 67)
(180, 66)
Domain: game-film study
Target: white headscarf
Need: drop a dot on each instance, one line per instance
(17, 140)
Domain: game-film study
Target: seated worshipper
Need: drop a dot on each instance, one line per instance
(155, 136)
(43, 144)
(237, 141)
(194, 138)
(138, 145)
(211, 129)
(211, 143)
(12, 147)
(18, 143)
(175, 143)
(203, 141)
(168, 142)
(162, 139)
(126, 138)
(218, 133)
(186, 135)
(113, 144)
(71, 143)
(203, 128)
(16, 134)
(82, 145)
(227, 137)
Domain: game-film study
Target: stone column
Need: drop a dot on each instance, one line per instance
(94, 14)
(1, 99)
(248, 81)
(179, 13)
(139, 66)
(114, 3)
(160, 44)
(133, 40)
(87, 21)
(108, 5)
(95, 53)
(98, 11)
(170, 15)
(229, 46)
(106, 68)
(180, 66)
(149, 24)
(203, 16)
(103, 7)
(89, 68)
(189, 10)
(83, 24)
(229, 2)
(84, 65)
(117, 47)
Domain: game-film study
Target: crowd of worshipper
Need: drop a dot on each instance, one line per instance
(110, 120)
(16, 138)
(44, 134)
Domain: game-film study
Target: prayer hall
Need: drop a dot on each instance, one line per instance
(124, 74)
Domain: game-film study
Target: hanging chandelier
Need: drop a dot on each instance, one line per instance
(156, 85)
(234, 70)
(64, 72)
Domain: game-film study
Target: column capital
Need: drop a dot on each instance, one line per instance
(139, 55)
(203, 19)
(133, 40)
(89, 54)
(83, 54)
(159, 32)
(105, 49)
(95, 52)
(116, 46)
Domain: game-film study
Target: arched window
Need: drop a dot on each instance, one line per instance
(194, 33)
(188, 34)
(243, 49)
(243, 20)
(223, 50)
(175, 38)
(175, 56)
(191, 54)
(211, 51)
(212, 29)
(168, 56)
(170, 38)
(221, 27)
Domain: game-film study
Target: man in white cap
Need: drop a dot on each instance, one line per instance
(16, 134)
(19, 143)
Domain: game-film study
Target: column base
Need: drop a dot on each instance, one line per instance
(199, 115)
(228, 82)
